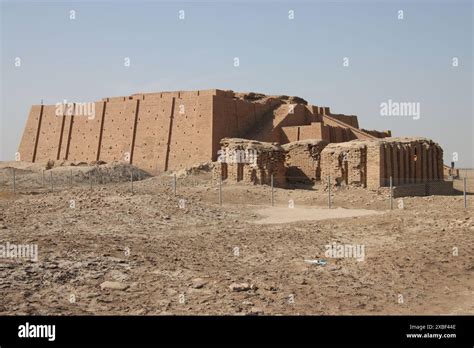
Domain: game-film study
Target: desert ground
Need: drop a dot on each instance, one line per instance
(107, 251)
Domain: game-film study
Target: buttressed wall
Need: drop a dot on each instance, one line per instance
(174, 130)
(371, 163)
(364, 163)
(156, 131)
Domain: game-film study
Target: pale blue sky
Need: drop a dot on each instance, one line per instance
(405, 60)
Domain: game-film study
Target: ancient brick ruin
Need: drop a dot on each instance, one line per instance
(364, 163)
(251, 161)
(174, 130)
(371, 163)
(295, 141)
(303, 160)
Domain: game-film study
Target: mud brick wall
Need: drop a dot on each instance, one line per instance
(190, 140)
(293, 121)
(345, 163)
(155, 131)
(332, 134)
(152, 133)
(314, 131)
(353, 132)
(175, 130)
(84, 134)
(270, 160)
(268, 163)
(290, 134)
(292, 115)
(49, 134)
(118, 130)
(371, 163)
(303, 160)
(29, 141)
(411, 160)
(375, 175)
(351, 120)
(172, 130)
(239, 118)
(364, 163)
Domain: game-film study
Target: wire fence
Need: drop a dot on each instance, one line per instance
(129, 180)
(20, 181)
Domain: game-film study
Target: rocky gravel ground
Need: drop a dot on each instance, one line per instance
(107, 251)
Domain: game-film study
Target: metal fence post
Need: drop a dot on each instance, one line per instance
(465, 193)
(51, 177)
(391, 193)
(174, 184)
(220, 190)
(273, 193)
(14, 180)
(329, 191)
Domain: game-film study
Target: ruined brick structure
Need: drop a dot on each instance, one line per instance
(174, 130)
(156, 132)
(252, 162)
(371, 163)
(364, 163)
(303, 160)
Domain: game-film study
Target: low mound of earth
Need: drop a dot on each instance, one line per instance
(30, 175)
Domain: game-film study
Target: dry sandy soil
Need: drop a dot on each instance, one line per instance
(142, 253)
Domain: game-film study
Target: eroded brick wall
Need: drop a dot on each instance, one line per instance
(175, 130)
(371, 163)
(345, 164)
(236, 117)
(303, 160)
(263, 161)
(411, 160)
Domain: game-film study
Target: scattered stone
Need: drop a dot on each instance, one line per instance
(118, 276)
(113, 285)
(255, 311)
(240, 287)
(199, 283)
